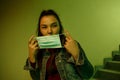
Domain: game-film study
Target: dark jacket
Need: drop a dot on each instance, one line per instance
(68, 68)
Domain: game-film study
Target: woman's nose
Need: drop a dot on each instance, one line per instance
(49, 30)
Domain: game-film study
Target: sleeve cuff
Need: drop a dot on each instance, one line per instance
(29, 65)
(79, 61)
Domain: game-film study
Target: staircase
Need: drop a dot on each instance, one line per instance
(110, 70)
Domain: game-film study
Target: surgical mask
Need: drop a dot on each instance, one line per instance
(52, 41)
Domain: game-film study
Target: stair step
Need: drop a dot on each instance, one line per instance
(116, 55)
(105, 74)
(112, 65)
(98, 67)
(107, 59)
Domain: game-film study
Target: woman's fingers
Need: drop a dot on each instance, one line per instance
(33, 42)
(68, 36)
(36, 45)
(31, 39)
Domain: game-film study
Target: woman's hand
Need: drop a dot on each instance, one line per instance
(71, 46)
(32, 47)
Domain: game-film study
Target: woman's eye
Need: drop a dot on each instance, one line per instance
(54, 25)
(44, 27)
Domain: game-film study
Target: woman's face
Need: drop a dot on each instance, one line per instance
(49, 25)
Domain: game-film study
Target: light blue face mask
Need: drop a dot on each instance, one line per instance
(52, 41)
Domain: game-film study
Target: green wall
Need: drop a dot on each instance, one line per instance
(94, 23)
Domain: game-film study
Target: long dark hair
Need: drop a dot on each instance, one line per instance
(46, 13)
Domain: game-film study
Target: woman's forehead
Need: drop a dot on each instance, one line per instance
(48, 19)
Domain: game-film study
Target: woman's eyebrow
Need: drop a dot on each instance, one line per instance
(42, 24)
(54, 23)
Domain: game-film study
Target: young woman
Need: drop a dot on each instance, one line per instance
(66, 63)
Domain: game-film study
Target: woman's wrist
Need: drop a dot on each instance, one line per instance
(32, 59)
